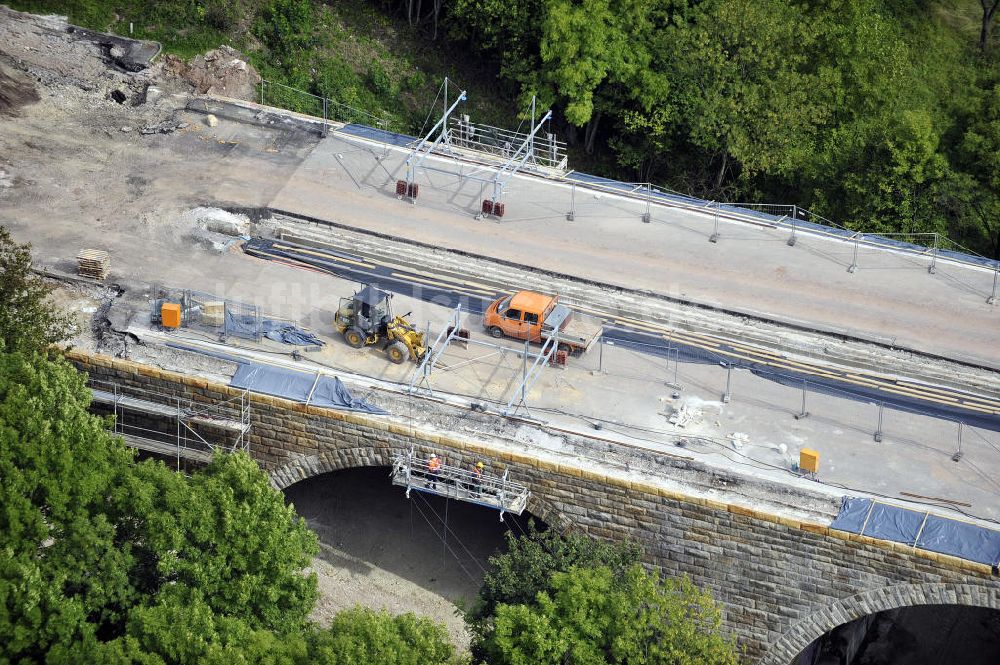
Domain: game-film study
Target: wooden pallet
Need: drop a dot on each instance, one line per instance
(93, 263)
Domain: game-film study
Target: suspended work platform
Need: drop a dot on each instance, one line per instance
(452, 482)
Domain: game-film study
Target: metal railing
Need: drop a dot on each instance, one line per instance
(209, 312)
(453, 482)
(930, 247)
(320, 107)
(547, 151)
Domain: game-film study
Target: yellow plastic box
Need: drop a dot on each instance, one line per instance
(809, 460)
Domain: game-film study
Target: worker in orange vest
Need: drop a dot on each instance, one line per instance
(434, 467)
(477, 475)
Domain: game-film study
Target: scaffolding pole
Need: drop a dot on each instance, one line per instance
(529, 377)
(422, 373)
(182, 440)
(524, 151)
(419, 152)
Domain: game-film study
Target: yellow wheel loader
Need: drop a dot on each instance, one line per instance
(366, 319)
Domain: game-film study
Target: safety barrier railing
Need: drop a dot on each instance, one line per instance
(320, 107)
(792, 218)
(789, 217)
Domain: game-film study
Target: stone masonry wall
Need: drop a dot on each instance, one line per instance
(782, 583)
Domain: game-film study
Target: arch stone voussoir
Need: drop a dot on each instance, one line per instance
(304, 467)
(804, 632)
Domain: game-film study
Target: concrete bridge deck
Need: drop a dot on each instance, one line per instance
(891, 298)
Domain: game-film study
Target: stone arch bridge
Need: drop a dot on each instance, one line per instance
(782, 583)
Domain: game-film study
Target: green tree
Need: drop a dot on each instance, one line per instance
(506, 31)
(590, 617)
(183, 628)
(236, 541)
(106, 560)
(63, 580)
(529, 561)
(362, 635)
(594, 59)
(979, 153)
(28, 319)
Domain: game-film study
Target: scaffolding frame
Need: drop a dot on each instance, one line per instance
(500, 142)
(420, 380)
(453, 482)
(422, 149)
(520, 157)
(230, 417)
(494, 143)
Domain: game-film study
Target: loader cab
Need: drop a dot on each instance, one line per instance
(372, 308)
(366, 312)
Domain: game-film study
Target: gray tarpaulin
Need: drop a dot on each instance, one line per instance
(920, 529)
(241, 325)
(249, 326)
(329, 391)
(286, 333)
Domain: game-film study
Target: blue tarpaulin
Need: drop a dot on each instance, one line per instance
(241, 325)
(919, 529)
(316, 389)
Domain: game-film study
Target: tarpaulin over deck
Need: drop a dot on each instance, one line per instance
(919, 529)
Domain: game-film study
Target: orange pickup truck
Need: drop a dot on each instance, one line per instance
(537, 317)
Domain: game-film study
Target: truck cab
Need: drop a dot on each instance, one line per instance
(520, 315)
(536, 317)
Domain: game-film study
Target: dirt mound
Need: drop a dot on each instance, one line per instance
(222, 71)
(16, 90)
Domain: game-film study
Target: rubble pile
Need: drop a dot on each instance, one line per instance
(222, 71)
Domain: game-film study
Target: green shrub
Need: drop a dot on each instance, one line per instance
(416, 80)
(378, 79)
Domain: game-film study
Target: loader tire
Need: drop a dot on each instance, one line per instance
(354, 337)
(397, 352)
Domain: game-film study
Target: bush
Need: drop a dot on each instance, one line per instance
(375, 638)
(591, 616)
(223, 17)
(28, 319)
(416, 80)
(379, 80)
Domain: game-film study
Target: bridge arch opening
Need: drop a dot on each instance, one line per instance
(912, 635)
(425, 554)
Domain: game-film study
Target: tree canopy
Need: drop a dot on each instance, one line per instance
(101, 556)
(28, 320)
(527, 563)
(365, 636)
(587, 616)
(561, 598)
